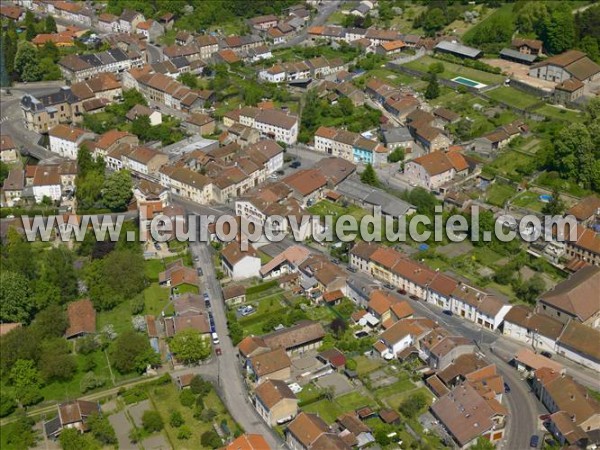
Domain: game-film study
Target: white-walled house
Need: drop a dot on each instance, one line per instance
(238, 263)
(65, 140)
(538, 330)
(46, 183)
(579, 343)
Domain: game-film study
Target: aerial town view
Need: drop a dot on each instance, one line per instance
(300, 224)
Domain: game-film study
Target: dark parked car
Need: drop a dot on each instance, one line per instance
(447, 312)
(200, 273)
(546, 354)
(295, 164)
(534, 441)
(352, 269)
(389, 286)
(280, 172)
(401, 291)
(506, 388)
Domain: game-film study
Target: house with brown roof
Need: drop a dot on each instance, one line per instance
(82, 319)
(570, 64)
(559, 392)
(8, 149)
(176, 274)
(262, 23)
(526, 360)
(401, 335)
(73, 414)
(308, 431)
(154, 115)
(568, 91)
(586, 210)
(287, 261)
(234, 294)
(435, 169)
(354, 431)
(251, 346)
(305, 335)
(585, 248)
(12, 12)
(307, 185)
(65, 140)
(579, 343)
(525, 325)
(248, 442)
(271, 365)
(144, 160)
(574, 299)
(568, 434)
(239, 263)
(200, 124)
(528, 46)
(442, 351)
(12, 188)
(275, 402)
(174, 324)
(466, 415)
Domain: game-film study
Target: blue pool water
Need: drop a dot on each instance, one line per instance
(545, 198)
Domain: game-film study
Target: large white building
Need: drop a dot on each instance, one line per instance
(65, 140)
(272, 123)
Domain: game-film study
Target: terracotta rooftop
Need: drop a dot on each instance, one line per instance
(269, 362)
(271, 392)
(82, 318)
(248, 442)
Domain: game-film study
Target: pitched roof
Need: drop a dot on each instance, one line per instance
(578, 295)
(248, 442)
(335, 357)
(250, 344)
(531, 43)
(270, 362)
(272, 392)
(587, 207)
(82, 318)
(535, 361)
(67, 133)
(581, 339)
(303, 332)
(464, 413)
(277, 118)
(306, 181)
(233, 252)
(570, 396)
(75, 411)
(6, 142)
(307, 428)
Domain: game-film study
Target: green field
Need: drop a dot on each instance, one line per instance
(497, 194)
(505, 11)
(330, 410)
(554, 112)
(367, 365)
(530, 200)
(513, 97)
(508, 162)
(452, 70)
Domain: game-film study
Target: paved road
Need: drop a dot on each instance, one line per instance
(229, 378)
(325, 10)
(12, 124)
(523, 406)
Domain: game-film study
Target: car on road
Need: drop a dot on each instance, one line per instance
(206, 296)
(447, 312)
(546, 354)
(215, 338)
(352, 269)
(196, 258)
(534, 441)
(335, 261)
(280, 172)
(199, 270)
(156, 246)
(506, 388)
(295, 164)
(389, 286)
(218, 351)
(401, 291)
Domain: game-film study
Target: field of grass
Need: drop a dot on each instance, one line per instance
(505, 11)
(497, 194)
(530, 200)
(366, 365)
(353, 401)
(395, 400)
(554, 112)
(270, 303)
(153, 267)
(165, 400)
(329, 411)
(513, 97)
(394, 78)
(508, 161)
(399, 386)
(452, 70)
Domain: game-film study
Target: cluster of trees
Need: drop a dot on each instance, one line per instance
(190, 347)
(21, 60)
(574, 153)
(552, 22)
(369, 176)
(101, 434)
(527, 290)
(97, 191)
(319, 112)
(437, 15)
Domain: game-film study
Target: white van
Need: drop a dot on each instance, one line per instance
(215, 338)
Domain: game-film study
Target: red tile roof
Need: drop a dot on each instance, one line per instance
(82, 318)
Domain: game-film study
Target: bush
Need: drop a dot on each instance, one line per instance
(184, 433)
(187, 398)
(261, 287)
(208, 415)
(351, 364)
(199, 386)
(87, 345)
(151, 421)
(210, 439)
(91, 381)
(137, 305)
(413, 405)
(176, 419)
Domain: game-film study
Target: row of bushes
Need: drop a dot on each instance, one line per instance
(472, 63)
(261, 287)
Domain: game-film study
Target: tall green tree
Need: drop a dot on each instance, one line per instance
(16, 304)
(26, 381)
(117, 190)
(27, 62)
(190, 347)
(433, 88)
(558, 30)
(10, 39)
(131, 352)
(56, 362)
(369, 176)
(555, 206)
(50, 24)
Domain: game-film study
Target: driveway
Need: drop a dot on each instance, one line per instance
(122, 428)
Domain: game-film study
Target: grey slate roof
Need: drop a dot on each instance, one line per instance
(515, 54)
(459, 49)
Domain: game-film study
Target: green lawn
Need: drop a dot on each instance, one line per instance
(353, 401)
(529, 200)
(399, 386)
(452, 70)
(507, 162)
(395, 400)
(165, 400)
(185, 288)
(367, 365)
(554, 112)
(155, 299)
(486, 256)
(393, 77)
(269, 304)
(327, 410)
(498, 193)
(153, 267)
(513, 97)
(308, 393)
(505, 11)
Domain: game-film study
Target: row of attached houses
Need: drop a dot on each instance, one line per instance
(375, 36)
(350, 146)
(273, 124)
(418, 280)
(436, 169)
(81, 67)
(291, 71)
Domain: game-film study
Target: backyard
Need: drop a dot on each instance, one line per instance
(452, 70)
(513, 97)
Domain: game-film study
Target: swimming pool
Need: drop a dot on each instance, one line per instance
(545, 198)
(468, 82)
